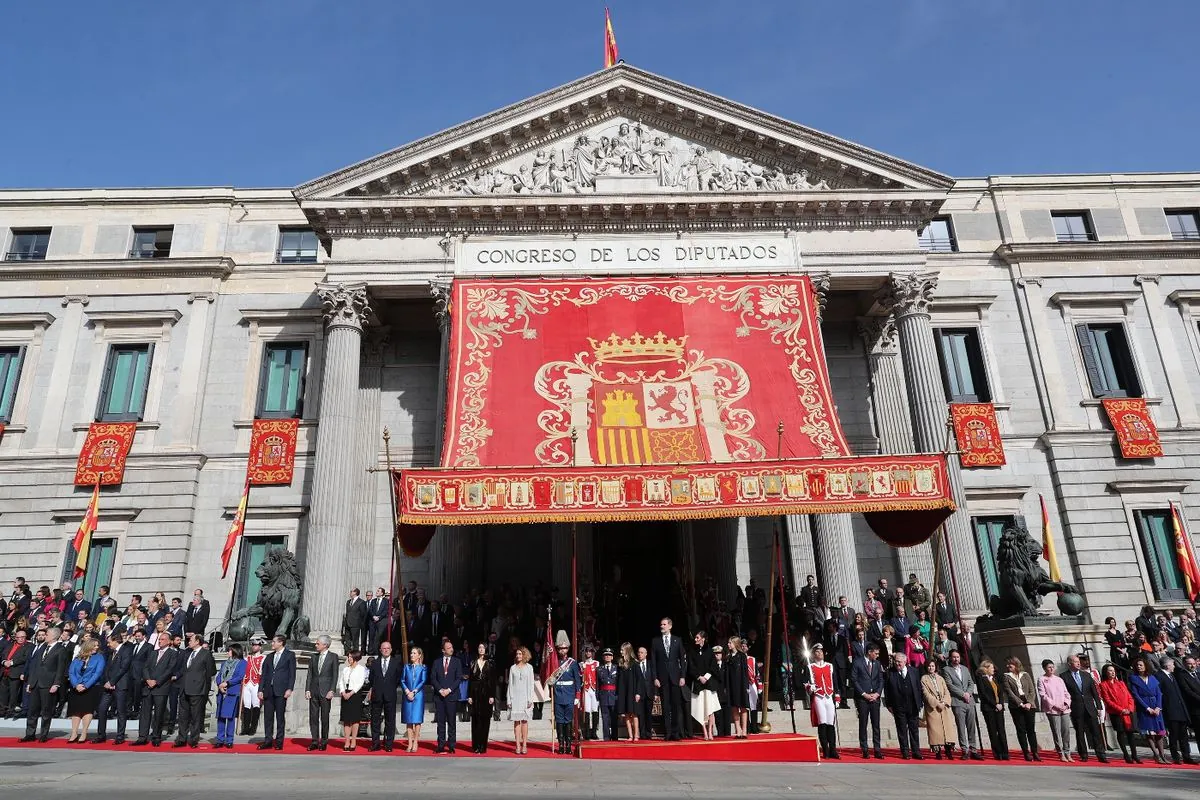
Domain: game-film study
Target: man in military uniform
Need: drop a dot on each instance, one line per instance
(567, 681)
(606, 677)
(918, 596)
(590, 697)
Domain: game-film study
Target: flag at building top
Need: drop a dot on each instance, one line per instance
(1186, 556)
(83, 537)
(610, 42)
(1048, 544)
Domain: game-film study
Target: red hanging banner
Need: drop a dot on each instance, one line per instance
(105, 449)
(1136, 432)
(272, 452)
(977, 434)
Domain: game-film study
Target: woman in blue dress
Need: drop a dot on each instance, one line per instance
(230, 675)
(1148, 700)
(412, 709)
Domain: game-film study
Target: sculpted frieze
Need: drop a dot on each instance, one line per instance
(625, 148)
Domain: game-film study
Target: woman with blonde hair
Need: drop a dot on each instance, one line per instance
(939, 719)
(85, 672)
(412, 709)
(737, 685)
(520, 699)
(628, 694)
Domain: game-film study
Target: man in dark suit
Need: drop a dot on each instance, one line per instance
(157, 676)
(439, 626)
(668, 669)
(970, 646)
(902, 694)
(875, 627)
(77, 604)
(1175, 712)
(384, 675)
(444, 676)
(945, 615)
(45, 680)
(138, 655)
(867, 679)
(843, 613)
(377, 620)
(418, 619)
(1189, 687)
(174, 624)
(355, 622)
(12, 667)
(836, 645)
(196, 616)
(117, 663)
(810, 596)
(278, 681)
(197, 675)
(991, 703)
(318, 691)
(642, 678)
(1085, 709)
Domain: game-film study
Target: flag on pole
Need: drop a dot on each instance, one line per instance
(610, 42)
(83, 536)
(1186, 556)
(235, 531)
(1048, 543)
(549, 654)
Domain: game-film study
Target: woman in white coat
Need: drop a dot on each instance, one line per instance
(520, 699)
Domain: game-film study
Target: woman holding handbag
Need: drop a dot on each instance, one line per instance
(1118, 704)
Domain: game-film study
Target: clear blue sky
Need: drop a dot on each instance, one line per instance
(258, 93)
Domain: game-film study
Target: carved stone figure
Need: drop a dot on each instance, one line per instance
(1022, 581)
(278, 606)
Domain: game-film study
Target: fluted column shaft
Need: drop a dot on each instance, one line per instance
(892, 422)
(439, 552)
(800, 551)
(328, 546)
(909, 296)
(837, 557)
(362, 572)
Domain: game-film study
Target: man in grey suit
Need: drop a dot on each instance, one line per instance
(318, 690)
(197, 675)
(962, 703)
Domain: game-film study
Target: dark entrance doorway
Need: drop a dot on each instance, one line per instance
(635, 580)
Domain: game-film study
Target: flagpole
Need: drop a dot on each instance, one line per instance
(787, 640)
(765, 726)
(397, 557)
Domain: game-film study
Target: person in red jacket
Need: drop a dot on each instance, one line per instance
(1118, 706)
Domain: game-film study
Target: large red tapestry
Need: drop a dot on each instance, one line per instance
(272, 452)
(629, 371)
(103, 455)
(1137, 434)
(977, 434)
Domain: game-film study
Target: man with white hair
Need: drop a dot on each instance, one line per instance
(318, 691)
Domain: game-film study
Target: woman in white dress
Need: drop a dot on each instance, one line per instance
(520, 699)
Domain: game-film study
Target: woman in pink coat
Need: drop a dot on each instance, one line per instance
(1056, 704)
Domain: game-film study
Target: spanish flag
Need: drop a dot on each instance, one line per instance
(1186, 556)
(235, 530)
(610, 42)
(1048, 543)
(83, 536)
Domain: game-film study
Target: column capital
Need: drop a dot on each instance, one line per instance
(82, 299)
(1144, 279)
(878, 335)
(820, 284)
(439, 288)
(908, 292)
(347, 305)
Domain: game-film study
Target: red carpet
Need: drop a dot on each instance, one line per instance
(773, 748)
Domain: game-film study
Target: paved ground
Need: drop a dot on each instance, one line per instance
(51, 774)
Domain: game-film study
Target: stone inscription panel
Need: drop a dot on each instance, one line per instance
(602, 256)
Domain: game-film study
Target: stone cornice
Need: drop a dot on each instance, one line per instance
(371, 216)
(1069, 299)
(34, 320)
(635, 93)
(1152, 485)
(1097, 251)
(119, 268)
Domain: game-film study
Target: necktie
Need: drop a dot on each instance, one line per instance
(275, 661)
(385, 663)
(667, 645)
(160, 654)
(191, 658)
(321, 662)
(643, 668)
(446, 666)
(1078, 680)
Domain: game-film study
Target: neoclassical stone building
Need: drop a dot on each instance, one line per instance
(195, 311)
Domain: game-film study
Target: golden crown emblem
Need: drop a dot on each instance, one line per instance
(638, 348)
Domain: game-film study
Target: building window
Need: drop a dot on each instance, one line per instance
(297, 246)
(101, 559)
(10, 375)
(1183, 223)
(987, 534)
(961, 360)
(28, 245)
(126, 378)
(1108, 360)
(252, 552)
(281, 380)
(151, 243)
(938, 236)
(1158, 545)
(1073, 226)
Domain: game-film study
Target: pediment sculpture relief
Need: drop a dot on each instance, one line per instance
(627, 148)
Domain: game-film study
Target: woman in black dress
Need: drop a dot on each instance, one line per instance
(629, 688)
(737, 684)
(481, 698)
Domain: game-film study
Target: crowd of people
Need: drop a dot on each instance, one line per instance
(506, 653)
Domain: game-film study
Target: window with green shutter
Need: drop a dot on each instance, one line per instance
(126, 380)
(252, 552)
(961, 360)
(10, 374)
(987, 534)
(281, 380)
(1108, 360)
(1158, 546)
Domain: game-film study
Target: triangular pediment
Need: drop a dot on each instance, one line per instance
(618, 132)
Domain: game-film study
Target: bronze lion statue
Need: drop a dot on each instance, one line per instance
(278, 606)
(1022, 581)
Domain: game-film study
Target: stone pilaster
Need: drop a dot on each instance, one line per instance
(363, 572)
(800, 552)
(837, 558)
(439, 552)
(347, 307)
(892, 423)
(908, 295)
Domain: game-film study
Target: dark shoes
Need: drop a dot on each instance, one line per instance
(314, 747)
(25, 739)
(879, 755)
(265, 745)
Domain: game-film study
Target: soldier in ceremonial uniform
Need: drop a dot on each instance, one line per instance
(606, 678)
(251, 705)
(590, 700)
(822, 691)
(567, 681)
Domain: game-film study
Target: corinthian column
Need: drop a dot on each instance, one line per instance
(908, 295)
(440, 551)
(363, 545)
(334, 478)
(891, 419)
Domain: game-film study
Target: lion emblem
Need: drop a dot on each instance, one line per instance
(1022, 580)
(278, 606)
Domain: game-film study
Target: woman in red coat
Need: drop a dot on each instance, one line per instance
(1118, 705)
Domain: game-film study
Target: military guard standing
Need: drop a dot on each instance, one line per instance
(590, 700)
(606, 677)
(822, 691)
(567, 681)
